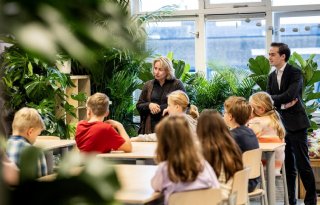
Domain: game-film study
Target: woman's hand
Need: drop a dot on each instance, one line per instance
(154, 108)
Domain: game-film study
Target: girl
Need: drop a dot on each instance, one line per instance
(181, 165)
(178, 102)
(219, 148)
(266, 123)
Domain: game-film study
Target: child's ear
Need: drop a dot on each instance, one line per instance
(107, 114)
(29, 131)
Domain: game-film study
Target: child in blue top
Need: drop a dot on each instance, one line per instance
(26, 126)
(237, 112)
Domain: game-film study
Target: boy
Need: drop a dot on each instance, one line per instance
(26, 126)
(237, 112)
(95, 135)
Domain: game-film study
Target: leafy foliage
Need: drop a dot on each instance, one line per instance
(81, 179)
(30, 82)
(260, 68)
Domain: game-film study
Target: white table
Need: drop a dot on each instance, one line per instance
(141, 151)
(269, 151)
(49, 145)
(135, 183)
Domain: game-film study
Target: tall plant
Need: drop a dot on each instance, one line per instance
(28, 81)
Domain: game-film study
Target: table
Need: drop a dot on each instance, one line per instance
(50, 145)
(135, 183)
(141, 152)
(269, 150)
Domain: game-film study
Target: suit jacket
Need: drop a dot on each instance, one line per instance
(295, 117)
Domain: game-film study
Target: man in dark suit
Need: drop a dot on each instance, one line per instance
(285, 86)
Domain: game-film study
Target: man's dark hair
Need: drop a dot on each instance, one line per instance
(283, 49)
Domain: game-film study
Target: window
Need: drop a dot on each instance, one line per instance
(232, 1)
(233, 42)
(294, 2)
(148, 5)
(175, 36)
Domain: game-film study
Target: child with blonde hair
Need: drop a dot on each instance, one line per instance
(219, 148)
(181, 164)
(26, 126)
(97, 135)
(267, 124)
(178, 102)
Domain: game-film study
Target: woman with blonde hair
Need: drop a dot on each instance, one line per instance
(181, 164)
(178, 103)
(266, 123)
(153, 98)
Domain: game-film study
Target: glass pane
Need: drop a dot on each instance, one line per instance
(232, 1)
(175, 36)
(294, 2)
(302, 34)
(152, 5)
(233, 43)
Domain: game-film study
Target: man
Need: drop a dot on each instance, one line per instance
(285, 86)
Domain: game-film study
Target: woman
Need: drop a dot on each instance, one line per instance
(153, 98)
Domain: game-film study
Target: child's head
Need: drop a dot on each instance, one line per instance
(218, 146)
(262, 105)
(27, 123)
(261, 102)
(177, 147)
(237, 109)
(98, 104)
(178, 102)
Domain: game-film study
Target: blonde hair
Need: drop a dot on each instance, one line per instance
(239, 108)
(98, 103)
(166, 64)
(177, 147)
(264, 100)
(27, 118)
(180, 98)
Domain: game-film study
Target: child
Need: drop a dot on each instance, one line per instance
(95, 135)
(266, 123)
(26, 126)
(181, 165)
(178, 102)
(219, 148)
(237, 112)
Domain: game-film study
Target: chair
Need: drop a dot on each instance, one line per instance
(252, 159)
(201, 196)
(240, 185)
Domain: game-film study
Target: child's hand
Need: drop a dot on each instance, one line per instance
(115, 124)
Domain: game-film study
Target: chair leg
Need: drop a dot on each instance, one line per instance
(285, 188)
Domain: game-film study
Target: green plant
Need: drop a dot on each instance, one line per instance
(31, 82)
(260, 68)
(81, 179)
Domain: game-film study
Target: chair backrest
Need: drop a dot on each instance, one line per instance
(252, 159)
(240, 185)
(201, 196)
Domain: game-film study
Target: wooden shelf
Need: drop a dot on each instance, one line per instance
(82, 83)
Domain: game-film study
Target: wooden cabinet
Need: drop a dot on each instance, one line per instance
(82, 83)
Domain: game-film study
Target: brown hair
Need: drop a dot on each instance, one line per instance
(177, 146)
(166, 64)
(283, 49)
(180, 98)
(239, 108)
(26, 118)
(98, 103)
(218, 146)
(264, 100)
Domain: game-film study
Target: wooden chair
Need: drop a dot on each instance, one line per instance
(240, 185)
(201, 196)
(252, 159)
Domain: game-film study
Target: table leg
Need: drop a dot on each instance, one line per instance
(50, 161)
(271, 182)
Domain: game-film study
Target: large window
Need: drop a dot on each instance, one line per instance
(233, 42)
(294, 2)
(152, 5)
(175, 36)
